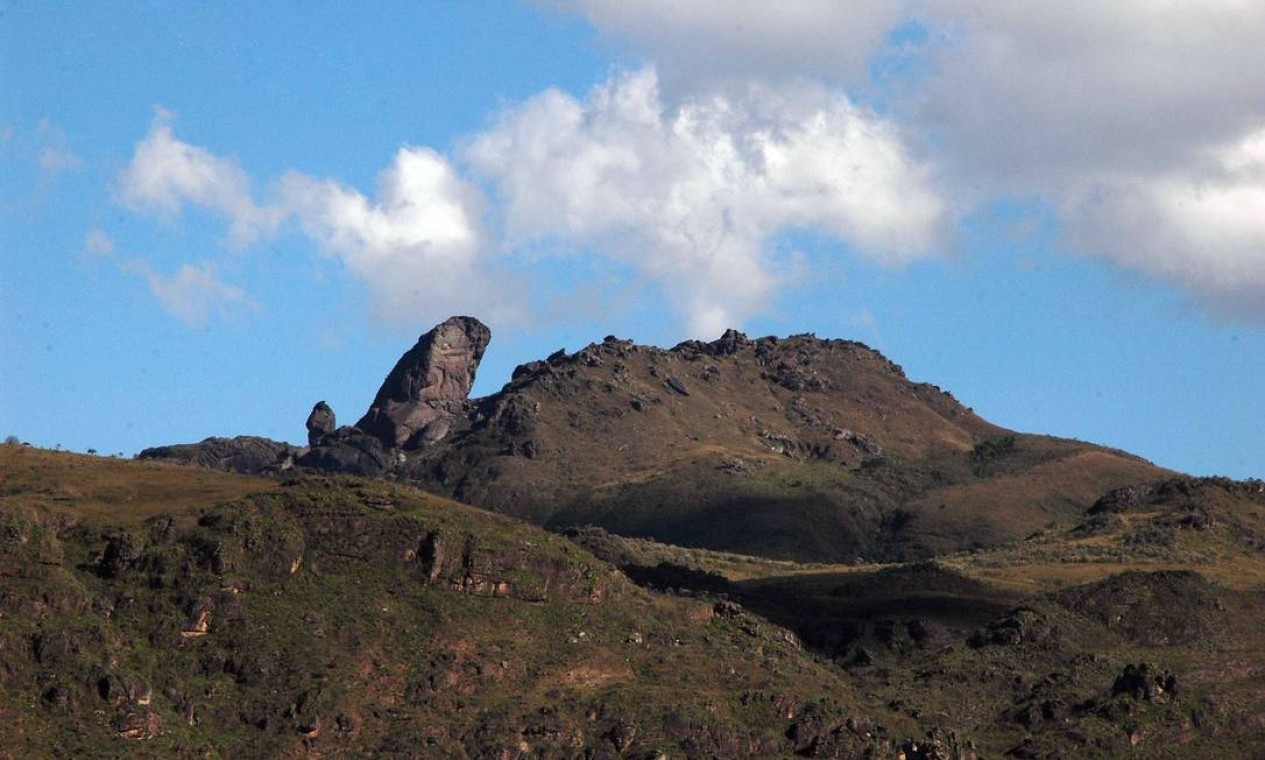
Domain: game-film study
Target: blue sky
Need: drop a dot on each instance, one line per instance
(212, 217)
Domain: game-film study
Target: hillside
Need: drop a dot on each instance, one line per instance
(150, 609)
(334, 617)
(801, 448)
(1138, 631)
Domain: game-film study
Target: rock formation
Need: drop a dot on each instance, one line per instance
(320, 423)
(245, 453)
(350, 450)
(428, 387)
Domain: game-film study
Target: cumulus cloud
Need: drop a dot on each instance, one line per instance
(1143, 123)
(1042, 95)
(194, 293)
(418, 247)
(1140, 123)
(691, 193)
(744, 39)
(1203, 227)
(687, 194)
(1114, 113)
(165, 174)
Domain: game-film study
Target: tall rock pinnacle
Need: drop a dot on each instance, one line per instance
(320, 423)
(428, 386)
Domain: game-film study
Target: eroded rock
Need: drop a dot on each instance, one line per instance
(429, 385)
(245, 454)
(320, 422)
(349, 450)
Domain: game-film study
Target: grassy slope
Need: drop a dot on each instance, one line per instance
(336, 616)
(1026, 642)
(329, 630)
(123, 491)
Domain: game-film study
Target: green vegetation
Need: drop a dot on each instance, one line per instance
(336, 616)
(154, 610)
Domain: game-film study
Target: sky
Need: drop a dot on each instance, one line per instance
(213, 215)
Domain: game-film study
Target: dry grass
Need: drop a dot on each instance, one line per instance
(1241, 573)
(119, 490)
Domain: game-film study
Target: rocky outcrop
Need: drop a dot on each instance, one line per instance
(418, 404)
(427, 389)
(320, 423)
(1145, 681)
(348, 450)
(245, 454)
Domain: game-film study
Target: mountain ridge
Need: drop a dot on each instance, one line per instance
(800, 447)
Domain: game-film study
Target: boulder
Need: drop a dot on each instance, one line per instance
(349, 450)
(320, 422)
(245, 454)
(728, 344)
(1144, 681)
(428, 387)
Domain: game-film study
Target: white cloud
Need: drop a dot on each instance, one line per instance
(1109, 111)
(1203, 228)
(194, 293)
(726, 40)
(1039, 95)
(1143, 122)
(686, 194)
(165, 174)
(690, 193)
(98, 244)
(418, 247)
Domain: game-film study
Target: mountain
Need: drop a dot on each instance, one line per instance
(802, 448)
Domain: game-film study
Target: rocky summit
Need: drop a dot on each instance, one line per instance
(800, 447)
